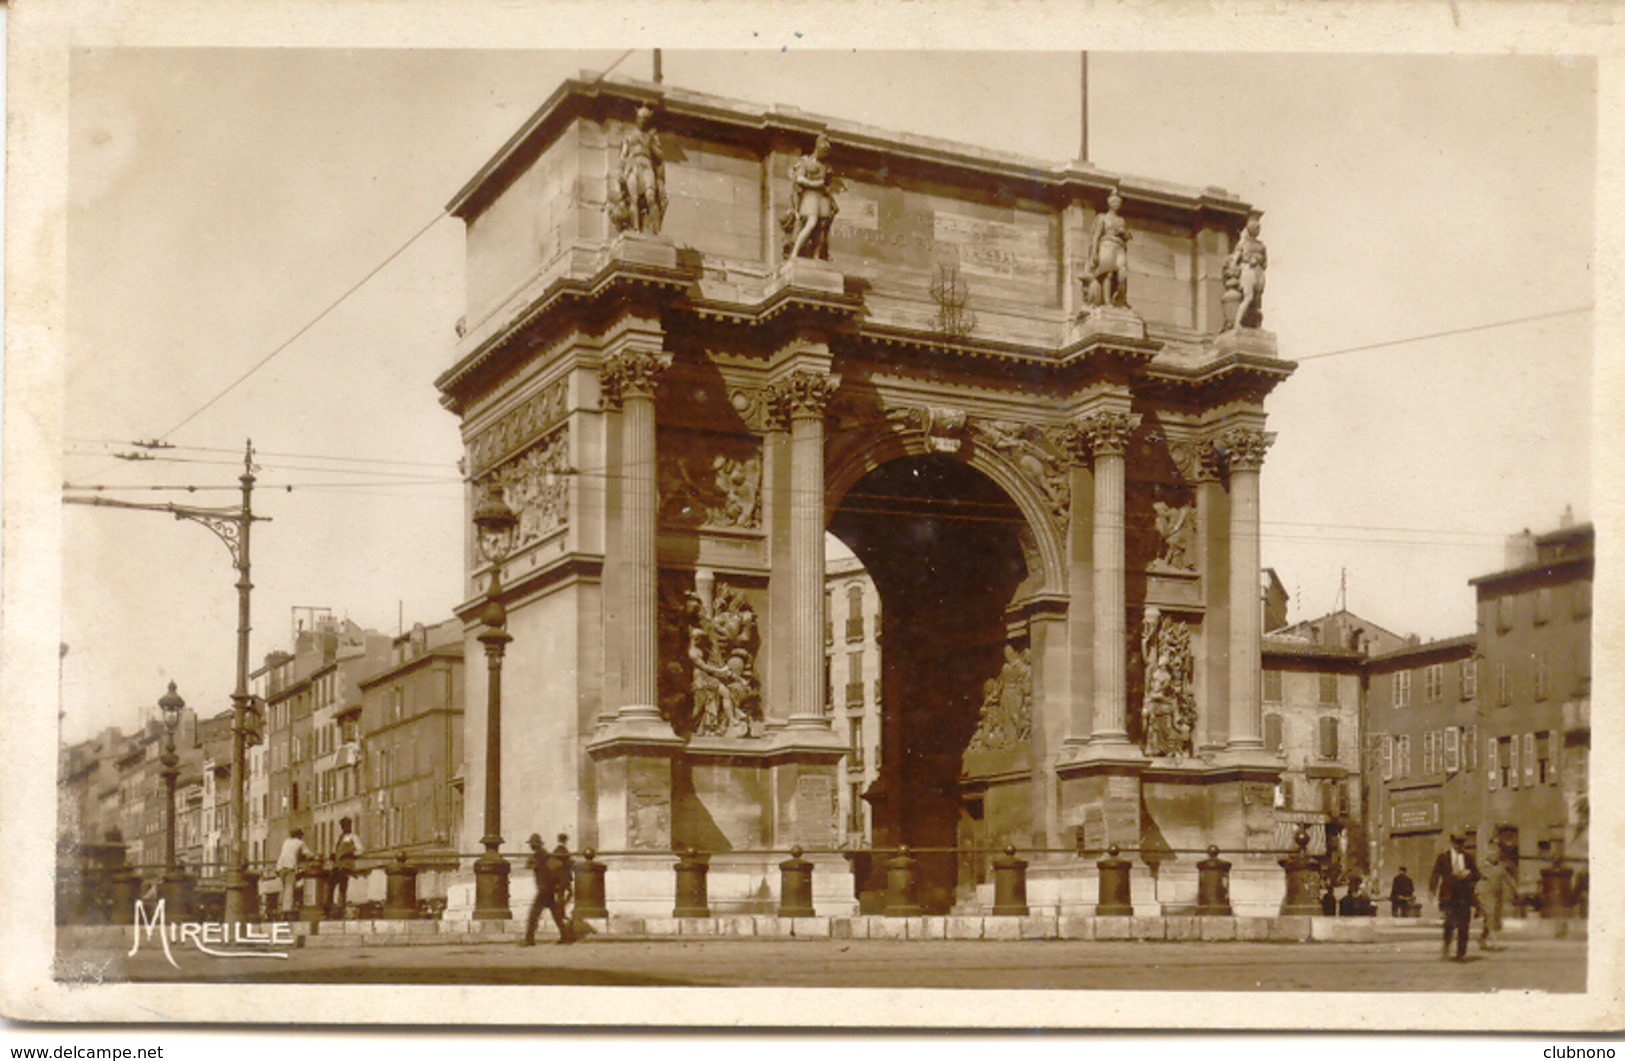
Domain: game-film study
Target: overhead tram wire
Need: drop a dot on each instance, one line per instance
(1447, 333)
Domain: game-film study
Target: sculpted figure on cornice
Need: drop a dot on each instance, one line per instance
(813, 185)
(803, 393)
(701, 487)
(709, 640)
(1168, 703)
(1036, 457)
(1106, 279)
(536, 485)
(1007, 705)
(631, 374)
(1244, 273)
(519, 425)
(637, 201)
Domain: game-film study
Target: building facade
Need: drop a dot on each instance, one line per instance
(852, 637)
(1313, 696)
(1534, 620)
(1423, 770)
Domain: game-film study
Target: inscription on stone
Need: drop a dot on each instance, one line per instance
(812, 810)
(648, 815)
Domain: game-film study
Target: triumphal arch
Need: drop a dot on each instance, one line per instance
(700, 334)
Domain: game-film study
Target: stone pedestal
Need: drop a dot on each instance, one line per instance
(1106, 322)
(634, 785)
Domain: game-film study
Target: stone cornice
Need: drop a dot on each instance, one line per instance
(761, 125)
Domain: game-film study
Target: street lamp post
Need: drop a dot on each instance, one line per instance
(172, 890)
(495, 525)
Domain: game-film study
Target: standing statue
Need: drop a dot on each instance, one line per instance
(1244, 273)
(721, 645)
(813, 185)
(638, 193)
(1108, 257)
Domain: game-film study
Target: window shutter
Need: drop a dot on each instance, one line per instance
(1554, 745)
(1512, 762)
(1452, 750)
(1385, 757)
(1528, 759)
(1328, 737)
(1272, 732)
(1469, 749)
(1492, 762)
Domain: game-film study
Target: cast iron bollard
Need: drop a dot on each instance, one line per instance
(251, 886)
(124, 891)
(902, 885)
(795, 886)
(400, 890)
(1302, 880)
(1010, 885)
(313, 886)
(1555, 893)
(692, 866)
(1213, 885)
(589, 874)
(1116, 895)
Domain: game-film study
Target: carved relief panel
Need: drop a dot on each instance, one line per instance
(709, 640)
(536, 485)
(710, 480)
(1006, 717)
(1161, 503)
(1162, 695)
(1033, 453)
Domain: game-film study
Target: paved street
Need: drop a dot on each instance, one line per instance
(1405, 965)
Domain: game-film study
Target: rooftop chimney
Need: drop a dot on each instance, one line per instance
(1520, 549)
(1567, 519)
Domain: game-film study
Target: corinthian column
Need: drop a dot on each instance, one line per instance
(628, 382)
(1107, 435)
(801, 398)
(1243, 448)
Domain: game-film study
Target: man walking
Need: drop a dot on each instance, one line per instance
(1454, 874)
(288, 860)
(543, 865)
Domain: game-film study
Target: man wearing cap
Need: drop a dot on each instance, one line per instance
(547, 894)
(1454, 874)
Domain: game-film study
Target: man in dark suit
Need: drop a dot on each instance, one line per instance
(545, 867)
(1454, 873)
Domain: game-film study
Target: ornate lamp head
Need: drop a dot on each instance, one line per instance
(496, 525)
(172, 705)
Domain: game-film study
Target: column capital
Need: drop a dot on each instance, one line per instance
(1241, 448)
(631, 374)
(1102, 434)
(803, 394)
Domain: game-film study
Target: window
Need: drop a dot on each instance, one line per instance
(1492, 763)
(1385, 757)
(1402, 754)
(1503, 614)
(854, 613)
(1433, 682)
(1328, 737)
(1543, 677)
(1402, 688)
(854, 811)
(1546, 760)
(1469, 749)
(1543, 605)
(1528, 759)
(854, 679)
(1509, 761)
(1272, 731)
(1503, 684)
(1328, 688)
(855, 759)
(1452, 750)
(1469, 678)
(829, 617)
(1428, 757)
(1272, 686)
(1581, 599)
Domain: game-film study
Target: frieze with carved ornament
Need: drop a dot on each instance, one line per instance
(536, 485)
(515, 428)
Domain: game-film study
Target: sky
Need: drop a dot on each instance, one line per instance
(221, 199)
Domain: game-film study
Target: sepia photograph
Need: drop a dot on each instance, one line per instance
(972, 526)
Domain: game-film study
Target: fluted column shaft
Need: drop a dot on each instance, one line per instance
(629, 381)
(1107, 437)
(801, 398)
(1244, 448)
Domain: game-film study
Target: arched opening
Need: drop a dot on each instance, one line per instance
(943, 545)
